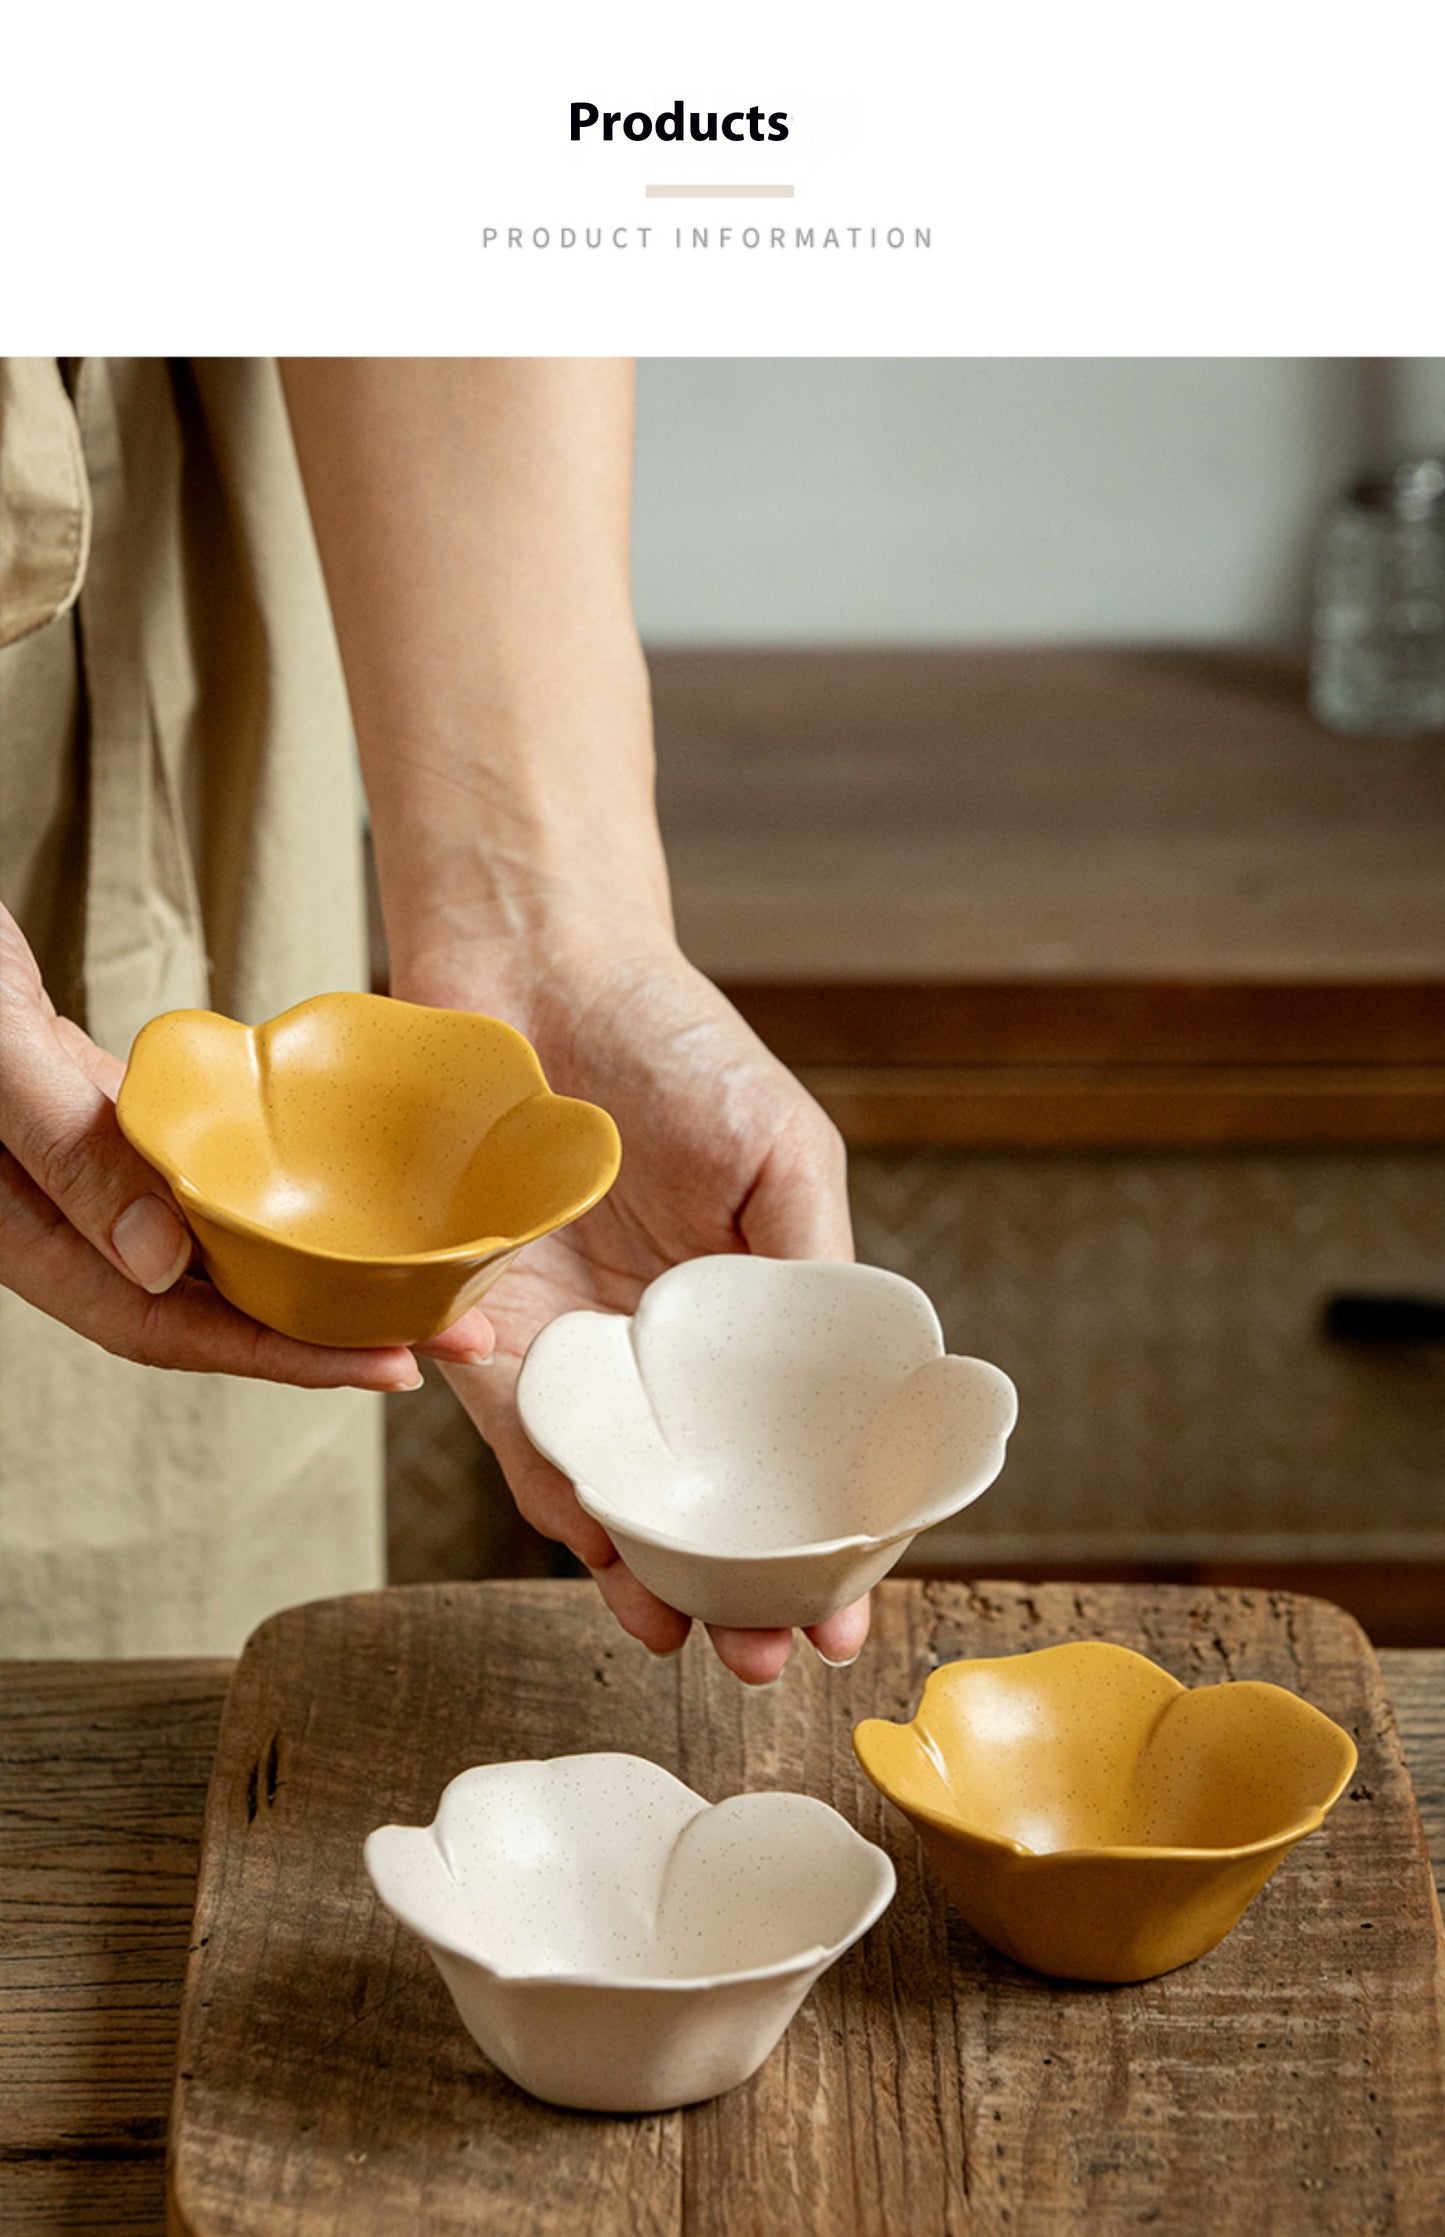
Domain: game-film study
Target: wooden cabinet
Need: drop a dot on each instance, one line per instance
(1126, 984)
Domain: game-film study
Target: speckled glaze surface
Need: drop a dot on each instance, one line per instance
(762, 1438)
(360, 1170)
(611, 1940)
(1093, 1818)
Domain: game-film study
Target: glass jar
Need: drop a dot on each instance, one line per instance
(1377, 666)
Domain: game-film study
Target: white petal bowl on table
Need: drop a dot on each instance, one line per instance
(763, 1438)
(611, 1940)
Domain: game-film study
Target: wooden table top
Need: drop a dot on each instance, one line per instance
(1040, 897)
(1040, 814)
(103, 1771)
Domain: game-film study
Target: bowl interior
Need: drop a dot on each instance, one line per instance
(365, 1126)
(752, 1405)
(606, 1865)
(1091, 1746)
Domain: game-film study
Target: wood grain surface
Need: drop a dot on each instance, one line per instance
(1036, 897)
(1086, 814)
(83, 2108)
(1291, 2080)
(103, 1774)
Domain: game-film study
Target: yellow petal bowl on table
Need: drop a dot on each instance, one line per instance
(359, 1170)
(1094, 1819)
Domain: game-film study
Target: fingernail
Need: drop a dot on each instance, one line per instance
(151, 1244)
(476, 1359)
(400, 1387)
(846, 1664)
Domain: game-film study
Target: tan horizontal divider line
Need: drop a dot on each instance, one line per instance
(1087, 1106)
(719, 193)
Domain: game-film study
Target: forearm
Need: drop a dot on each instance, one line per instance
(473, 525)
(472, 517)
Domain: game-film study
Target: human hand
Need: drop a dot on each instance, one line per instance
(90, 1234)
(722, 1151)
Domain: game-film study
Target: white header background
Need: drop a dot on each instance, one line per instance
(1255, 175)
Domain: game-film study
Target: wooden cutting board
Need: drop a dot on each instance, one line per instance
(1291, 2080)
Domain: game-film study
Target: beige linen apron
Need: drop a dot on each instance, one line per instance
(178, 826)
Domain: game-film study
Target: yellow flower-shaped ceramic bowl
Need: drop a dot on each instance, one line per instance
(358, 1170)
(1093, 1818)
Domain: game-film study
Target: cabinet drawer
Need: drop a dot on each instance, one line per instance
(1162, 1315)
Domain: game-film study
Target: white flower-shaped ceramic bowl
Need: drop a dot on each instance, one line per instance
(764, 1437)
(612, 1941)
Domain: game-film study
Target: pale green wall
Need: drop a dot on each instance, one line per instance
(937, 500)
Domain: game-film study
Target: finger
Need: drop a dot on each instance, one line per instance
(192, 1326)
(840, 1640)
(544, 1497)
(469, 1342)
(757, 1657)
(62, 1127)
(101, 1068)
(798, 1205)
(661, 1629)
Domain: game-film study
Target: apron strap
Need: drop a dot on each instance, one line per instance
(145, 945)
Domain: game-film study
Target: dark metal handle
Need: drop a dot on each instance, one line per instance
(1356, 1316)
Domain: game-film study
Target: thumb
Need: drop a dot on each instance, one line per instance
(58, 1122)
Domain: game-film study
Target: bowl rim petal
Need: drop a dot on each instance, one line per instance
(1119, 1852)
(938, 1510)
(1296, 1830)
(817, 1954)
(688, 1273)
(648, 1534)
(193, 1198)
